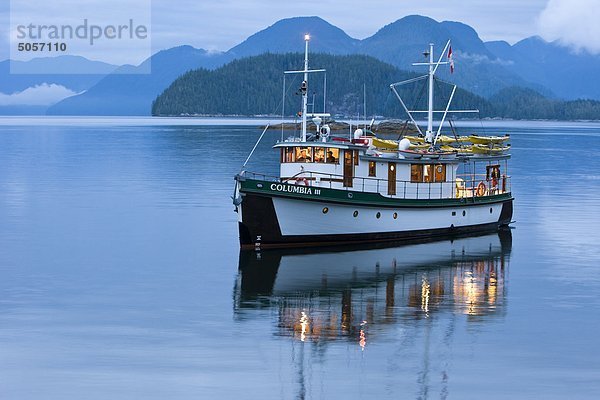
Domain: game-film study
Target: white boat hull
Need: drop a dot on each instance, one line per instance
(284, 221)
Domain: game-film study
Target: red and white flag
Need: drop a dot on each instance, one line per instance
(451, 60)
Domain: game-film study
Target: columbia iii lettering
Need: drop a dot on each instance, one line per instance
(292, 189)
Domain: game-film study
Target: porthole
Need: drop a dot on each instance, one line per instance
(464, 213)
(355, 214)
(350, 195)
(453, 213)
(378, 215)
(395, 215)
(490, 210)
(325, 210)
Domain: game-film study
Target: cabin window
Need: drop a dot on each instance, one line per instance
(319, 155)
(332, 156)
(439, 173)
(392, 179)
(427, 173)
(356, 157)
(416, 173)
(304, 154)
(372, 168)
(288, 155)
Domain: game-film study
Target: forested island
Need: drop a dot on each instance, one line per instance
(254, 86)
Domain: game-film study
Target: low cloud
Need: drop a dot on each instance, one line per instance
(573, 23)
(40, 95)
(483, 59)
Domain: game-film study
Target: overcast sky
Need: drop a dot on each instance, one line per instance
(221, 24)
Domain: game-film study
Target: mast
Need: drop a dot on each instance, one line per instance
(304, 88)
(429, 133)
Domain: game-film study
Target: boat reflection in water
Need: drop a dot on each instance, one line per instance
(354, 294)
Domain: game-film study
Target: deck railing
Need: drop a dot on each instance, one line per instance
(464, 186)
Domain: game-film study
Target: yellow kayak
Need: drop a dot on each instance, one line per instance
(415, 139)
(475, 139)
(385, 144)
(449, 148)
(485, 149)
(443, 139)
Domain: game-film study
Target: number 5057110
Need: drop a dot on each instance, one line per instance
(43, 46)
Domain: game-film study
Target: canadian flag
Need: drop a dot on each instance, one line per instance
(451, 60)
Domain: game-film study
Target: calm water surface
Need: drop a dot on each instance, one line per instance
(121, 278)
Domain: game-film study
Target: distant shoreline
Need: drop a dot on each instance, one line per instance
(44, 120)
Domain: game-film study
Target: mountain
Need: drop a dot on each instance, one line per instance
(568, 74)
(73, 72)
(523, 103)
(287, 35)
(482, 68)
(30, 87)
(402, 42)
(253, 85)
(130, 90)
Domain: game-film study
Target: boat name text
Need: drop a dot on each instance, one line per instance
(294, 189)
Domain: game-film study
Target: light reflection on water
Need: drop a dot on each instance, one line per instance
(118, 252)
(345, 292)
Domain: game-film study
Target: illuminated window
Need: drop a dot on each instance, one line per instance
(303, 154)
(427, 173)
(332, 156)
(288, 155)
(416, 173)
(372, 168)
(319, 155)
(325, 210)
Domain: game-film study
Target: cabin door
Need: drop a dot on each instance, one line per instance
(348, 167)
(391, 178)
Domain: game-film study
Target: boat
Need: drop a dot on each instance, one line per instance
(333, 190)
(384, 143)
(476, 139)
(488, 149)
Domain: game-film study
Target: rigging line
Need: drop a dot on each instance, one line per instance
(282, 107)
(461, 143)
(404, 128)
(483, 130)
(255, 146)
(280, 104)
(443, 81)
(421, 93)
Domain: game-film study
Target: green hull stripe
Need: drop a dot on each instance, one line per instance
(278, 189)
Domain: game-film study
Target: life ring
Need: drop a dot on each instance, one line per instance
(481, 189)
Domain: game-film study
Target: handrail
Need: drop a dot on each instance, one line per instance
(459, 188)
